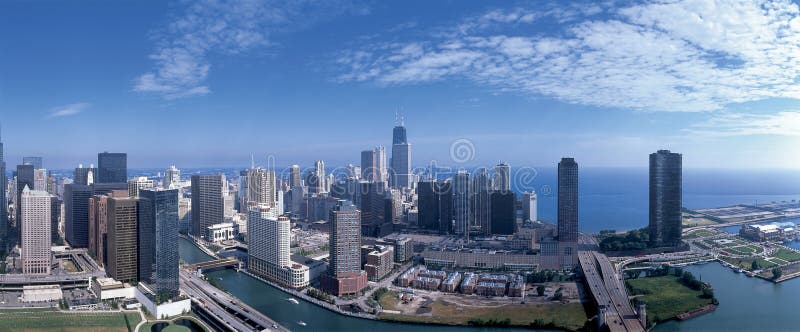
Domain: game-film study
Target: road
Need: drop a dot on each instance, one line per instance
(608, 289)
(220, 304)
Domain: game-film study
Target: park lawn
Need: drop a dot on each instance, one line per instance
(787, 255)
(570, 315)
(389, 301)
(667, 297)
(54, 321)
(747, 263)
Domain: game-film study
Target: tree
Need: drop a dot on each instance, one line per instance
(540, 290)
(776, 273)
(754, 266)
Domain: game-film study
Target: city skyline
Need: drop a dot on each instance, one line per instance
(81, 82)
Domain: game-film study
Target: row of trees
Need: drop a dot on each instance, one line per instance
(633, 240)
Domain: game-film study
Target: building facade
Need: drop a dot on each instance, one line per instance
(122, 247)
(112, 167)
(344, 273)
(665, 199)
(76, 214)
(35, 231)
(269, 249)
(207, 203)
(567, 212)
(159, 257)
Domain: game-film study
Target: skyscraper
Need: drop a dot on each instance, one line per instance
(35, 161)
(319, 172)
(85, 176)
(529, 206)
(112, 167)
(261, 186)
(138, 183)
(372, 204)
(171, 177)
(39, 179)
(207, 203)
(428, 205)
(122, 248)
(444, 193)
(35, 231)
(567, 200)
(294, 176)
(76, 214)
(158, 256)
(269, 248)
(368, 165)
(25, 177)
(344, 273)
(461, 203)
(503, 221)
(401, 158)
(665, 198)
(381, 174)
(502, 177)
(481, 201)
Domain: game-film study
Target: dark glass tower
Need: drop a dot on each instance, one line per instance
(568, 200)
(427, 205)
(76, 214)
(503, 219)
(25, 177)
(401, 159)
(112, 167)
(158, 240)
(207, 203)
(445, 195)
(665, 198)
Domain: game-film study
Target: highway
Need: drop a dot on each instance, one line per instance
(607, 286)
(236, 315)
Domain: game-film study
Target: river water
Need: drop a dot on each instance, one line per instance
(273, 303)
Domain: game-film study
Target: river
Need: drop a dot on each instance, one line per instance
(272, 302)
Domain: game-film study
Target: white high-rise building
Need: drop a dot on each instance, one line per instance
(269, 248)
(139, 183)
(40, 179)
(319, 171)
(35, 216)
(529, 206)
(261, 186)
(381, 174)
(172, 177)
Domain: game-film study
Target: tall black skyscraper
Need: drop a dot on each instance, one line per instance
(401, 158)
(112, 167)
(85, 176)
(445, 195)
(76, 214)
(568, 200)
(207, 202)
(158, 253)
(428, 205)
(503, 219)
(25, 177)
(665, 198)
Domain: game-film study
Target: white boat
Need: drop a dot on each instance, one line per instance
(302, 323)
(292, 300)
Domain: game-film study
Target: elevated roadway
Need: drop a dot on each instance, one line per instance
(608, 289)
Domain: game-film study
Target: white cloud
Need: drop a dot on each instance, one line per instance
(785, 123)
(691, 55)
(67, 110)
(225, 27)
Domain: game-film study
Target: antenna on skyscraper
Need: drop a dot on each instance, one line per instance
(252, 162)
(399, 118)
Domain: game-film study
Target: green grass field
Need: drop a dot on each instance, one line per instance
(787, 255)
(53, 321)
(667, 297)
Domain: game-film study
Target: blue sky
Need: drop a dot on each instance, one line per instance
(207, 83)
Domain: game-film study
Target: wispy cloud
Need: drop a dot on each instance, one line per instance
(224, 27)
(67, 110)
(690, 55)
(741, 124)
